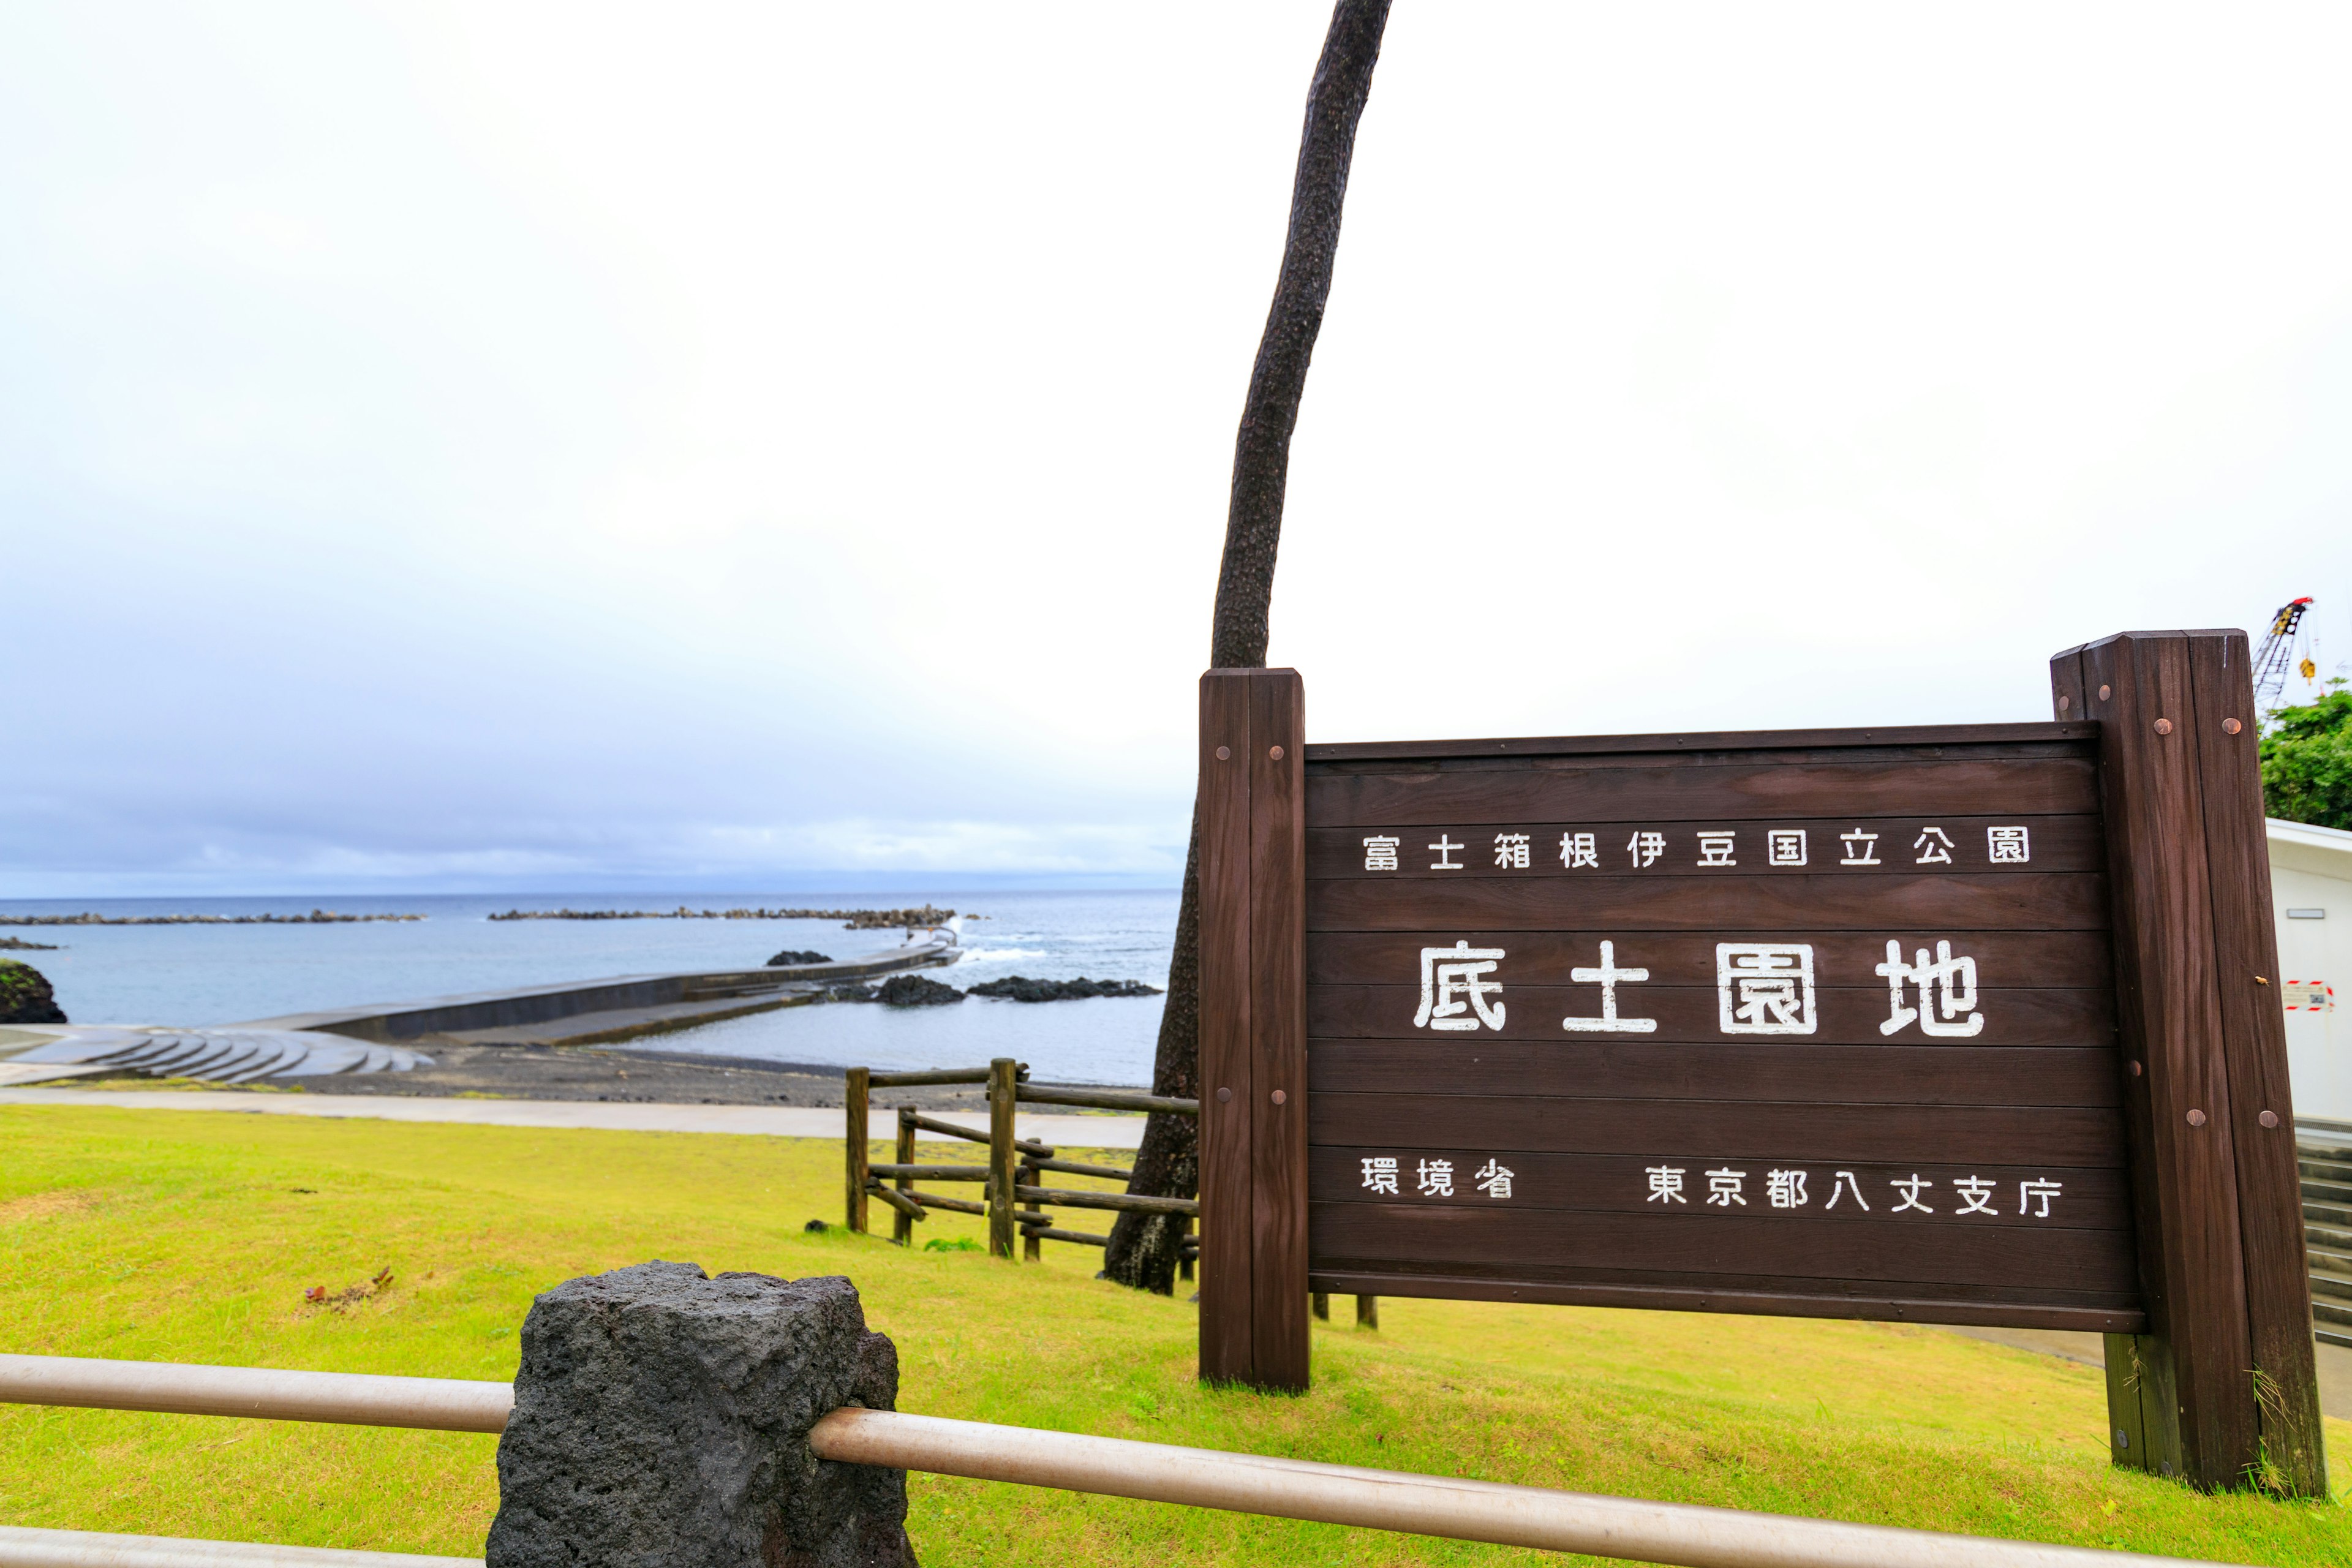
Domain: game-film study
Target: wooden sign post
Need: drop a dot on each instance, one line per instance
(1963, 1024)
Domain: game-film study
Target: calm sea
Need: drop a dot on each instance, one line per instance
(189, 976)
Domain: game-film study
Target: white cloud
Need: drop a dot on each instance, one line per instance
(552, 438)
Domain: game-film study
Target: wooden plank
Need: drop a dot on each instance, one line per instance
(2220, 719)
(1715, 1298)
(1107, 1099)
(2064, 960)
(1279, 1330)
(1817, 1075)
(940, 1201)
(855, 1152)
(1944, 1134)
(1933, 1252)
(2034, 901)
(902, 1222)
(1981, 1298)
(1911, 736)
(1846, 1014)
(1003, 1076)
(2127, 1428)
(1847, 845)
(1228, 1073)
(1673, 791)
(2194, 1388)
(1081, 1198)
(2093, 1198)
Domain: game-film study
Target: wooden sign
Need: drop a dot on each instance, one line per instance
(1823, 1023)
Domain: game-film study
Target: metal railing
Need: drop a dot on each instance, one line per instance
(1676, 1533)
(89, 1549)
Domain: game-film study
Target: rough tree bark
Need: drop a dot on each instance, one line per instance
(1143, 1248)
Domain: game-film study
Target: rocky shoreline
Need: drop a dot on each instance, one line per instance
(1021, 988)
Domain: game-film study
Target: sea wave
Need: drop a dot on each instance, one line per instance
(994, 955)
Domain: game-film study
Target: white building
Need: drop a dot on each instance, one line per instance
(2311, 894)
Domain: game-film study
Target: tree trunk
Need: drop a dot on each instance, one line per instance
(1143, 1248)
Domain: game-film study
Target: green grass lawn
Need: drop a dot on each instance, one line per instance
(188, 1236)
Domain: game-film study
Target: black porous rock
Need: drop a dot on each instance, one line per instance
(915, 990)
(1021, 988)
(25, 997)
(852, 992)
(790, 959)
(661, 1420)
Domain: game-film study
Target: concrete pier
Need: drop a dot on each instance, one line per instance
(620, 1007)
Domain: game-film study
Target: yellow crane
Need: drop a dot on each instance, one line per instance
(2278, 648)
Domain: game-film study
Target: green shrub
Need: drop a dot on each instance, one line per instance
(2308, 763)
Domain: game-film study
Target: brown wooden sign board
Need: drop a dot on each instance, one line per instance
(1950, 1025)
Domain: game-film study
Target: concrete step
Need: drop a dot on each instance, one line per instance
(2327, 1191)
(2327, 1224)
(2337, 1287)
(2324, 1310)
(2326, 1167)
(2333, 1337)
(2328, 1259)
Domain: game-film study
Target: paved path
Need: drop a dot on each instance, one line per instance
(772, 1121)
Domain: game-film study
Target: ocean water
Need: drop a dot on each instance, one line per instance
(191, 975)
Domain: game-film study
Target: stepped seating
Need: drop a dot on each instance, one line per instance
(212, 1056)
(2326, 1170)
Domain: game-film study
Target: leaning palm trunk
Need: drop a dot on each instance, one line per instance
(1143, 1248)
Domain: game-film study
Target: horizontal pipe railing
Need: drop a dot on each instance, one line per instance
(353, 1399)
(1679, 1533)
(89, 1548)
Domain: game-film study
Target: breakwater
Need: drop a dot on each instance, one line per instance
(315, 918)
(853, 920)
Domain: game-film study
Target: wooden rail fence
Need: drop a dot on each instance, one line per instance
(1015, 1198)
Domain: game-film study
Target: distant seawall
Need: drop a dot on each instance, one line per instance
(391, 1022)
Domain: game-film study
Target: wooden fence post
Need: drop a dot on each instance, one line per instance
(1368, 1311)
(1253, 1295)
(1001, 1099)
(853, 1097)
(1031, 1249)
(902, 1224)
(2221, 1387)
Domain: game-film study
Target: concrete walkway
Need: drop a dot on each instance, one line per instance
(1111, 1132)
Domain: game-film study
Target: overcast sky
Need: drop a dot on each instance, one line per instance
(506, 447)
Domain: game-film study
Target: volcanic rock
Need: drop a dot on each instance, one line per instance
(789, 959)
(1021, 988)
(661, 1420)
(915, 990)
(25, 997)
